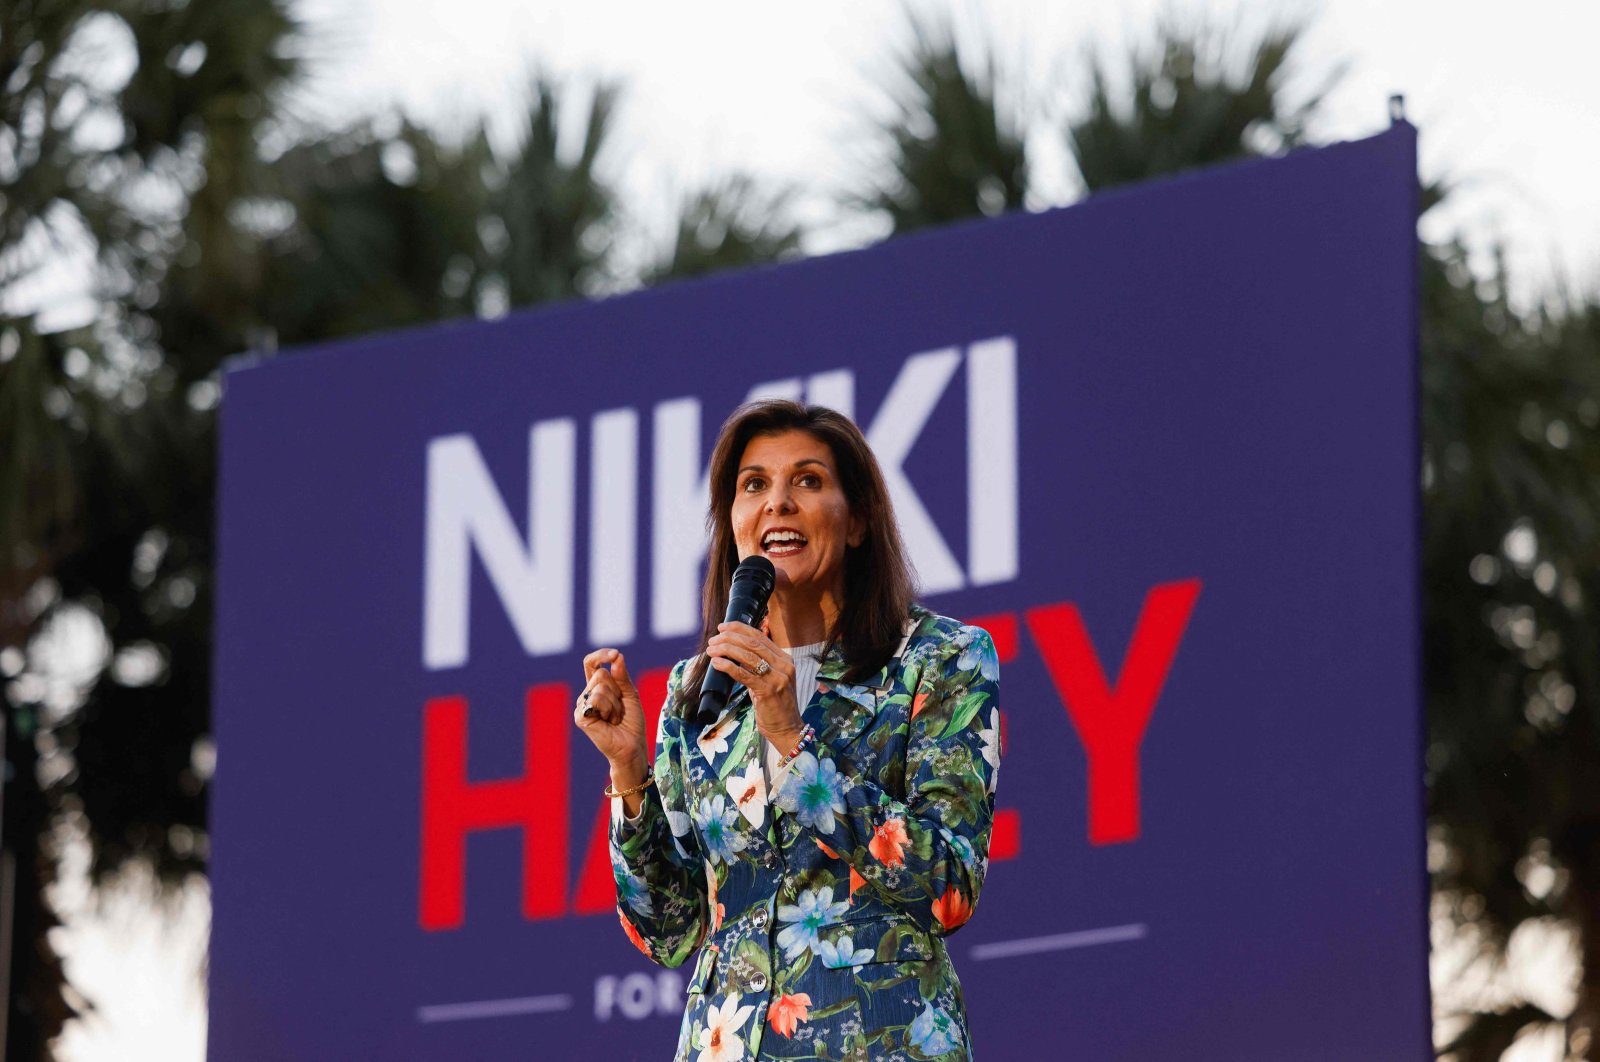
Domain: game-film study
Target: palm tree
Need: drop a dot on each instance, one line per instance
(1511, 479)
(108, 433)
(950, 148)
(1185, 104)
(82, 160)
(555, 215)
(1511, 483)
(347, 233)
(732, 223)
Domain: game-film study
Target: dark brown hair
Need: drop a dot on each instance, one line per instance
(878, 584)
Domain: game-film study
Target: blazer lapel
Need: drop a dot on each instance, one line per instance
(841, 710)
(730, 747)
(838, 712)
(727, 741)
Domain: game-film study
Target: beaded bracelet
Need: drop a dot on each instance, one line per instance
(805, 735)
(649, 780)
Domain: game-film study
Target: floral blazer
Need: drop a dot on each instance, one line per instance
(816, 918)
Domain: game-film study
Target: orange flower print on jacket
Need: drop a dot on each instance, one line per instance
(788, 1012)
(633, 934)
(810, 921)
(856, 880)
(951, 909)
(888, 844)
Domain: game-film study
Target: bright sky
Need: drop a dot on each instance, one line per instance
(1503, 96)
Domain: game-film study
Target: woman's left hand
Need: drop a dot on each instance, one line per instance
(738, 650)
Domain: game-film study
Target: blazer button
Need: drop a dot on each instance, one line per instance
(771, 860)
(758, 983)
(760, 918)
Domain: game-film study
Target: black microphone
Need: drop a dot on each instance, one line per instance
(747, 603)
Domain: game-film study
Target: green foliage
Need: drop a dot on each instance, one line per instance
(758, 957)
(1185, 106)
(968, 707)
(39, 498)
(1511, 642)
(950, 150)
(555, 214)
(365, 229)
(203, 243)
(1511, 496)
(1487, 1038)
(368, 231)
(86, 157)
(733, 223)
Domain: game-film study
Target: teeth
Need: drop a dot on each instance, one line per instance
(783, 538)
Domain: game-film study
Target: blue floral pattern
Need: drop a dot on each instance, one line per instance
(630, 888)
(814, 795)
(934, 1033)
(817, 929)
(806, 919)
(716, 820)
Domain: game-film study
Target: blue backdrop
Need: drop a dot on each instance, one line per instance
(1184, 423)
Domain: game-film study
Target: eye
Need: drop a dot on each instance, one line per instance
(753, 484)
(810, 479)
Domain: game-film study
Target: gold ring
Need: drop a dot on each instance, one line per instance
(762, 667)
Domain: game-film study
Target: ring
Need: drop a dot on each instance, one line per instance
(762, 667)
(583, 702)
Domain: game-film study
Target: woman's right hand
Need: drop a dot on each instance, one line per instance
(610, 715)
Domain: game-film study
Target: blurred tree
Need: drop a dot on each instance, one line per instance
(342, 234)
(204, 243)
(553, 219)
(1511, 558)
(735, 222)
(366, 229)
(1184, 104)
(108, 113)
(1511, 496)
(949, 149)
(212, 224)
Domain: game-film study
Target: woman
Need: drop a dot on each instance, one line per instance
(818, 840)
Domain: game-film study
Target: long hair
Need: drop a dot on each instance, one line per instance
(878, 584)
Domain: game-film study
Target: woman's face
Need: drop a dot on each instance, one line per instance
(788, 507)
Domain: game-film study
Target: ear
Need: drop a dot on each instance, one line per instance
(858, 531)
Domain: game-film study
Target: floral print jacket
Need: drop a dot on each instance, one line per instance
(816, 918)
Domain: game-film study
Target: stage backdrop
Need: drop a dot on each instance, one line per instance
(1162, 444)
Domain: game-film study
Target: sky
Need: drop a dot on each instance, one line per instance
(1502, 94)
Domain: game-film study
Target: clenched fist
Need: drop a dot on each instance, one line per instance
(610, 714)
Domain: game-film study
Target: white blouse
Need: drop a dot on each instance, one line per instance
(807, 659)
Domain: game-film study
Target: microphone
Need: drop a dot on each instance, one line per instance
(747, 603)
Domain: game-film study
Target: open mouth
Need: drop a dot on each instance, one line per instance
(782, 542)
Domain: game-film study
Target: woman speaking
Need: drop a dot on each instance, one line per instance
(816, 841)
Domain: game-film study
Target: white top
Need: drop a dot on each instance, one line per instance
(807, 661)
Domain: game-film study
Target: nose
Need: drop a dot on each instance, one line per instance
(779, 500)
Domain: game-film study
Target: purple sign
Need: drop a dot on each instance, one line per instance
(1162, 444)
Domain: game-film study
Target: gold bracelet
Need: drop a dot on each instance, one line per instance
(649, 780)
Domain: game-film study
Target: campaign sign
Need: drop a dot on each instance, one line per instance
(1163, 445)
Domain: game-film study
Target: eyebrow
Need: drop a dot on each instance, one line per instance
(797, 464)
